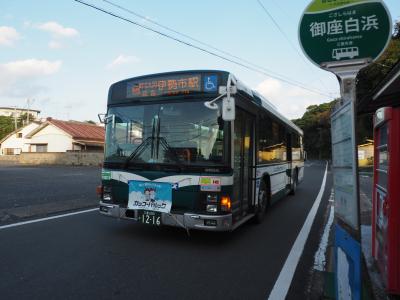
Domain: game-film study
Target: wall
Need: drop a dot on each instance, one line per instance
(56, 139)
(68, 158)
(9, 159)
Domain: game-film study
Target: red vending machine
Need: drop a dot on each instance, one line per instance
(386, 197)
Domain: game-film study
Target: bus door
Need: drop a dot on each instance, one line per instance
(243, 161)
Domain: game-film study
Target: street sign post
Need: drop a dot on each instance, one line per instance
(344, 36)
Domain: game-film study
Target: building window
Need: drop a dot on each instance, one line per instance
(41, 148)
(9, 151)
(19, 135)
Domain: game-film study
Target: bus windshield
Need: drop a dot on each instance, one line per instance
(168, 133)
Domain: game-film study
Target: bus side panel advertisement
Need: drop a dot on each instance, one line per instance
(152, 196)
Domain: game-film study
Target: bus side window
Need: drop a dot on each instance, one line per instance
(296, 147)
(272, 141)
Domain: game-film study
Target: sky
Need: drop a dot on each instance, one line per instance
(61, 57)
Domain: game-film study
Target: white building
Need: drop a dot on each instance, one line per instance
(17, 141)
(18, 112)
(62, 136)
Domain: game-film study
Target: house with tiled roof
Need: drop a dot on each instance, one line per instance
(17, 141)
(62, 136)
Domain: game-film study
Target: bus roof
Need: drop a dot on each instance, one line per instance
(256, 98)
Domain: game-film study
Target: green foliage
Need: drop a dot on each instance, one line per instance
(316, 124)
(370, 77)
(365, 129)
(6, 126)
(90, 122)
(396, 34)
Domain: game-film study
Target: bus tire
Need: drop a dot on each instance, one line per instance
(294, 185)
(263, 202)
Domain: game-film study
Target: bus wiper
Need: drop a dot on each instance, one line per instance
(139, 150)
(169, 149)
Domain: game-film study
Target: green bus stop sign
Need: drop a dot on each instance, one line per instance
(333, 32)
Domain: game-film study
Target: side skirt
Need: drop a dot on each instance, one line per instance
(244, 220)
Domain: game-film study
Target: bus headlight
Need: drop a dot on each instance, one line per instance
(212, 203)
(212, 208)
(225, 204)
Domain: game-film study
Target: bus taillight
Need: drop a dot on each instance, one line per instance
(99, 190)
(225, 203)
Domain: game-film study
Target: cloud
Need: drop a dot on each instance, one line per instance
(55, 45)
(290, 101)
(8, 36)
(58, 31)
(123, 60)
(19, 78)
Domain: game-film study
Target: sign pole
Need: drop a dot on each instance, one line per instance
(344, 36)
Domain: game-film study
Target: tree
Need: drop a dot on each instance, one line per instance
(396, 34)
(6, 126)
(90, 122)
(316, 124)
(371, 76)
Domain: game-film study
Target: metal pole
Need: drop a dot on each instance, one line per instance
(27, 118)
(15, 118)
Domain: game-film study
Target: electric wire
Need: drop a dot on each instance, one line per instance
(195, 40)
(287, 37)
(290, 82)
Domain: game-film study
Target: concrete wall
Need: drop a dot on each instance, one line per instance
(9, 159)
(48, 158)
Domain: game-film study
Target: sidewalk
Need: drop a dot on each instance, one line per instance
(366, 186)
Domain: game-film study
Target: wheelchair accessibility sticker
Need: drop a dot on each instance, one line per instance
(211, 83)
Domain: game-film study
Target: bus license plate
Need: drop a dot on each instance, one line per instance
(150, 217)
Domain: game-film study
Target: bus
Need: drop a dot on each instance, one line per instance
(197, 150)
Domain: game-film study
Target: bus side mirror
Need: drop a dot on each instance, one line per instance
(105, 119)
(228, 109)
(102, 118)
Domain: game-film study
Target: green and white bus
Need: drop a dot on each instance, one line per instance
(195, 149)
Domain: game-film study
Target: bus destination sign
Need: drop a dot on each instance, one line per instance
(164, 86)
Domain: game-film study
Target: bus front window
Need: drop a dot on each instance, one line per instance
(185, 133)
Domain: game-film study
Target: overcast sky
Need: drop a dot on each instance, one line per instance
(65, 55)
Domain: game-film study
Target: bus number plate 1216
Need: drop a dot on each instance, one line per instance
(150, 217)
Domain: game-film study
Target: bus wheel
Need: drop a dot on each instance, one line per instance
(262, 202)
(294, 185)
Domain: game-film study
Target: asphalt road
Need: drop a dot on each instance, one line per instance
(28, 192)
(90, 256)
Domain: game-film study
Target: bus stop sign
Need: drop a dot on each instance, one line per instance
(341, 31)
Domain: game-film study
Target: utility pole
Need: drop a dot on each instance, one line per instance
(27, 117)
(15, 118)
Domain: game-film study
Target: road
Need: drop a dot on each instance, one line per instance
(90, 256)
(38, 191)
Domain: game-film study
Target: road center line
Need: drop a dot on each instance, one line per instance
(285, 278)
(48, 218)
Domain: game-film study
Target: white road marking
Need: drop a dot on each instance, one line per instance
(285, 278)
(320, 255)
(48, 218)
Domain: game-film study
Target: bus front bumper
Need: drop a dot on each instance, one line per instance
(187, 220)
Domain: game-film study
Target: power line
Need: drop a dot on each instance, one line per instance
(286, 37)
(300, 85)
(195, 40)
